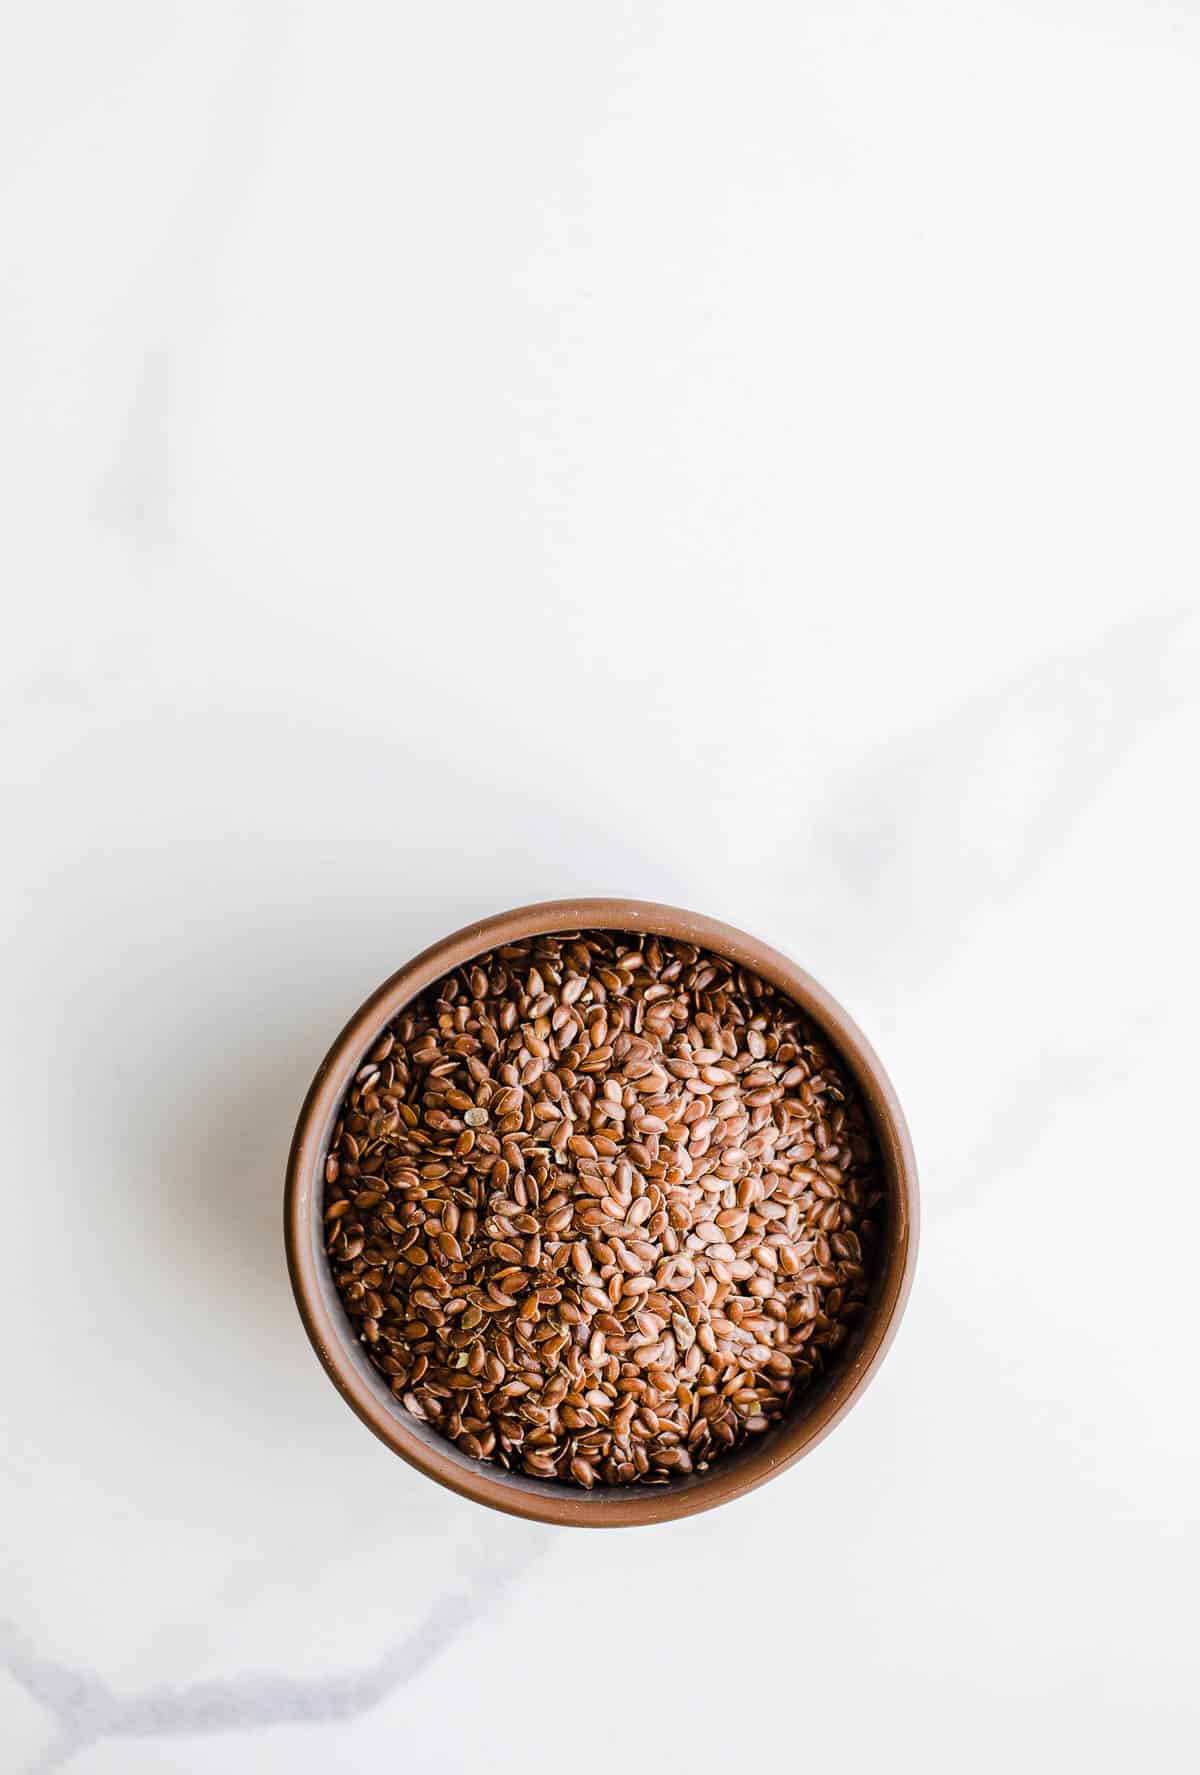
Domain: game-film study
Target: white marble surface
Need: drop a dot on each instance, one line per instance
(455, 456)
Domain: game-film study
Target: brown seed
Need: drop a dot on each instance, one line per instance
(600, 1207)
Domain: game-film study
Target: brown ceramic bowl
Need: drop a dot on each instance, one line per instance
(362, 1387)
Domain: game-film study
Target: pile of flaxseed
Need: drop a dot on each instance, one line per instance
(599, 1206)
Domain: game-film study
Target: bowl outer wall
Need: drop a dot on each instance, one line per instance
(346, 1365)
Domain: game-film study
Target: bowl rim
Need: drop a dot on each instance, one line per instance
(539, 1500)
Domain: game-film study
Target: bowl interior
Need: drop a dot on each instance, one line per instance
(814, 1412)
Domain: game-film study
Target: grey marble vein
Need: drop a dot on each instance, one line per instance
(1026, 1109)
(136, 493)
(979, 802)
(86, 1709)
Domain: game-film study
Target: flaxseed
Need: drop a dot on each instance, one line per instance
(600, 1207)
